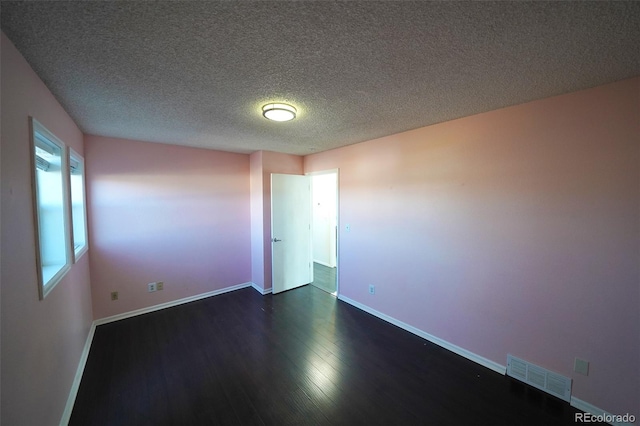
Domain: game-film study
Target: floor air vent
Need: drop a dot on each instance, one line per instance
(540, 378)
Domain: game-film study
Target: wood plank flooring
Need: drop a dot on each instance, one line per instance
(301, 357)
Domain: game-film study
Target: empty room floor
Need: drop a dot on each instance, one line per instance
(300, 357)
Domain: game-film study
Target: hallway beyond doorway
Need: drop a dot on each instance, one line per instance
(324, 278)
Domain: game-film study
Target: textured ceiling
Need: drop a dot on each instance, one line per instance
(197, 73)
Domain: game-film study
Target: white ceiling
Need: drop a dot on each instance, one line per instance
(197, 73)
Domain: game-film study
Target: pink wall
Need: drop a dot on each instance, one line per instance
(263, 163)
(257, 219)
(514, 231)
(42, 340)
(164, 213)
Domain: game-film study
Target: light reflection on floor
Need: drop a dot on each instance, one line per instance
(321, 365)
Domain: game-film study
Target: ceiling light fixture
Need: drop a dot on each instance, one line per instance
(279, 112)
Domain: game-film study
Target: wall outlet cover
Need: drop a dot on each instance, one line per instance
(581, 366)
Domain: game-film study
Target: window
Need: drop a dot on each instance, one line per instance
(78, 210)
(51, 208)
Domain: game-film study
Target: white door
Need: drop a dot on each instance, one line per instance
(290, 231)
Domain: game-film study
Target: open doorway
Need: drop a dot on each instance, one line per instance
(324, 224)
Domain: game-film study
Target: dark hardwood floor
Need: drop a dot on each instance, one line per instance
(301, 357)
(324, 277)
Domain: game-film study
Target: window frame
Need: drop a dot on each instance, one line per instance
(44, 288)
(77, 253)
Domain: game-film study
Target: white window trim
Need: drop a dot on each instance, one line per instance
(77, 254)
(45, 288)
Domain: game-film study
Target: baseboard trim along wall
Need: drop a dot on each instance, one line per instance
(75, 386)
(592, 409)
(322, 263)
(260, 290)
(170, 304)
(66, 415)
(433, 339)
(498, 368)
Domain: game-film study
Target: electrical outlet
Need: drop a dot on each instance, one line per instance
(160, 285)
(372, 289)
(151, 287)
(581, 366)
(114, 295)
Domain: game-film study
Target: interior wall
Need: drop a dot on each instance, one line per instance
(513, 231)
(42, 340)
(257, 220)
(263, 163)
(164, 213)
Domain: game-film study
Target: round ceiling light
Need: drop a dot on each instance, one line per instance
(279, 112)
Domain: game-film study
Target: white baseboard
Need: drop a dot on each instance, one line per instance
(260, 290)
(575, 402)
(443, 343)
(68, 409)
(324, 264)
(592, 409)
(585, 406)
(170, 304)
(66, 415)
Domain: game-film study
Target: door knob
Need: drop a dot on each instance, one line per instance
(275, 240)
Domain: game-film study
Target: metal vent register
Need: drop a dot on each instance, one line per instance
(540, 378)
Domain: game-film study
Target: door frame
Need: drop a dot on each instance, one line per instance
(335, 171)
